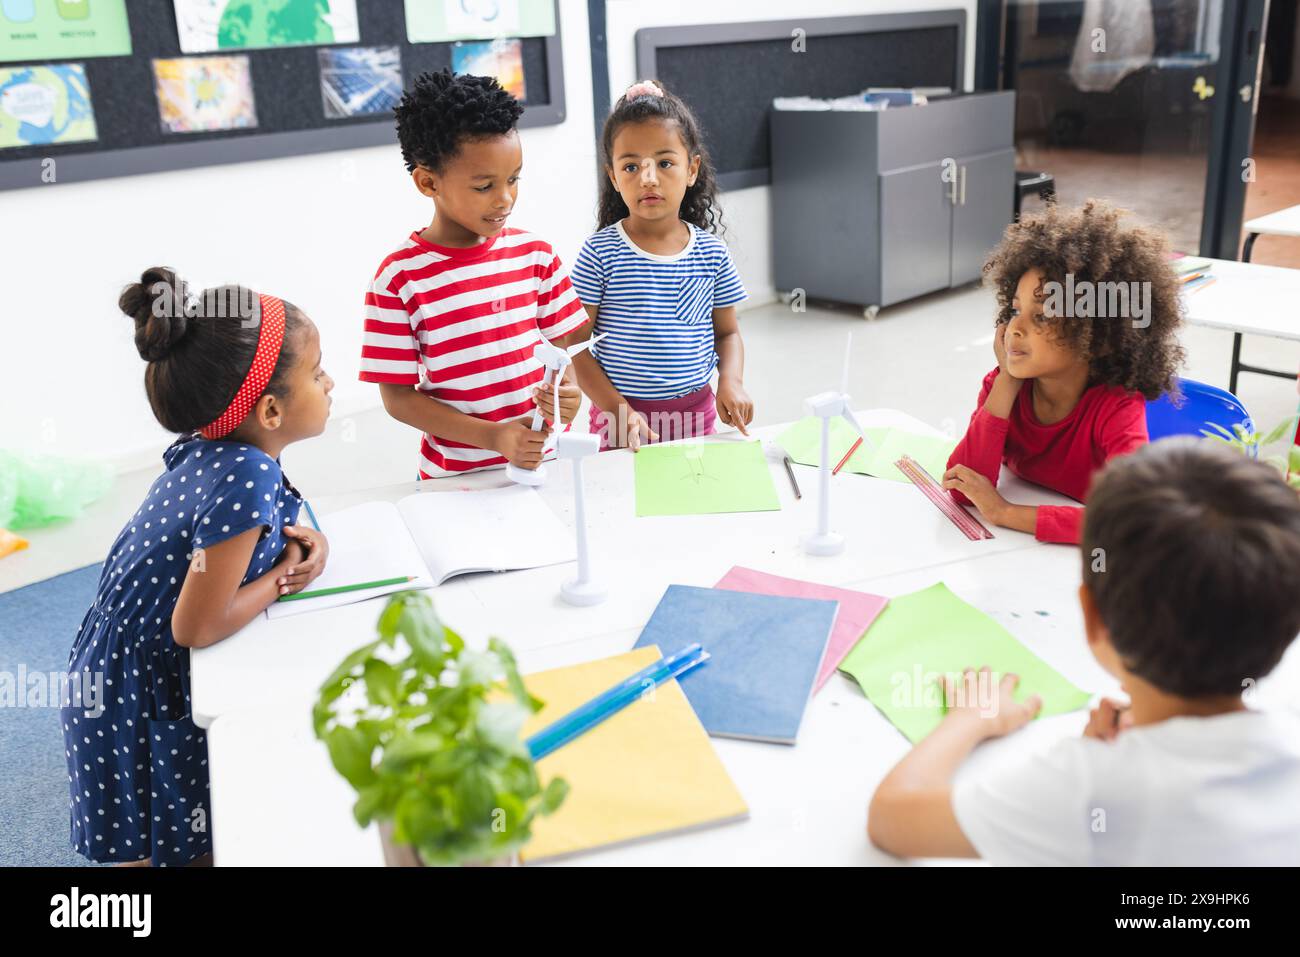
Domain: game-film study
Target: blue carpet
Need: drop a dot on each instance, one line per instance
(37, 625)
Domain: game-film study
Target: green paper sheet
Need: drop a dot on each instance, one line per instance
(803, 443)
(702, 478)
(929, 633)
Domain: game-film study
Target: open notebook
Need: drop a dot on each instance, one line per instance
(433, 536)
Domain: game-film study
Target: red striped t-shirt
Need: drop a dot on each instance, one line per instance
(460, 325)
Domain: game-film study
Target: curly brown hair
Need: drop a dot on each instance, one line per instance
(1091, 244)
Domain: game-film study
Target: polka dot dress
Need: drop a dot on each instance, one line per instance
(138, 770)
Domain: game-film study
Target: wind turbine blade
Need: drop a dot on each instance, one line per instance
(848, 353)
(848, 415)
(575, 349)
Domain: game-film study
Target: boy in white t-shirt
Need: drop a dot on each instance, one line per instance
(1197, 601)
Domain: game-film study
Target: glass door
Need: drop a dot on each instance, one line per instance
(1131, 101)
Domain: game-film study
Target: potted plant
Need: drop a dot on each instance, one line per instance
(1253, 443)
(430, 741)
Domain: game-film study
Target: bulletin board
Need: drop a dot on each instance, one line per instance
(300, 98)
(729, 73)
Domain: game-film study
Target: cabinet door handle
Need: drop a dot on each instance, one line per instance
(963, 186)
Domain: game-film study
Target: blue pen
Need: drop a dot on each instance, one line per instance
(587, 716)
(636, 682)
(312, 515)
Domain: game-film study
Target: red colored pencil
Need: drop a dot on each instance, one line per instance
(847, 455)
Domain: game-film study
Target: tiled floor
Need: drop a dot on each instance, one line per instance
(926, 357)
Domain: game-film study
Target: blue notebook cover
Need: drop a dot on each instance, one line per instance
(766, 654)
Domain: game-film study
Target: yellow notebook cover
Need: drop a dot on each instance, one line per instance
(648, 770)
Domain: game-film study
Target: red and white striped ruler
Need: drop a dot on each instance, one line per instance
(970, 526)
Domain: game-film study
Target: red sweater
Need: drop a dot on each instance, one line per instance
(1107, 422)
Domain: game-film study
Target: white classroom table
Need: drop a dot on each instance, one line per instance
(1248, 299)
(276, 799)
(280, 801)
(890, 527)
(1280, 222)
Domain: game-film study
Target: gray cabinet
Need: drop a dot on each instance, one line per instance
(877, 208)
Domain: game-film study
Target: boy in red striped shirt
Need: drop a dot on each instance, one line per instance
(451, 317)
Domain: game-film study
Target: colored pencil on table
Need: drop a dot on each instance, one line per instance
(312, 515)
(585, 717)
(789, 470)
(847, 455)
(340, 589)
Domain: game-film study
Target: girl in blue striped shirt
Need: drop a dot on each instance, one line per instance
(658, 284)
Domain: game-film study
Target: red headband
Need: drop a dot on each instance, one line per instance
(270, 336)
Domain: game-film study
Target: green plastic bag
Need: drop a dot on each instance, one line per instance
(36, 490)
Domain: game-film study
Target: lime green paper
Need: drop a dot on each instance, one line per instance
(922, 636)
(803, 443)
(702, 478)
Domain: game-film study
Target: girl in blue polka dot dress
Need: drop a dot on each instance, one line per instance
(215, 542)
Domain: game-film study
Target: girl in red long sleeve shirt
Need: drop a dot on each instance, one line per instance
(1074, 374)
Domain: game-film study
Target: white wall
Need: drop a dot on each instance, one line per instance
(747, 211)
(311, 229)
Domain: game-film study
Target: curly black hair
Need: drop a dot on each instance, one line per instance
(444, 109)
(1092, 244)
(700, 205)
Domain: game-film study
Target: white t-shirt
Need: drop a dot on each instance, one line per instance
(1221, 791)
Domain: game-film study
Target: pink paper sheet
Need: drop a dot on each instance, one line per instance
(857, 609)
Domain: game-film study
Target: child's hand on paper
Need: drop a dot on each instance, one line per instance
(519, 443)
(979, 490)
(306, 553)
(735, 407)
(1107, 720)
(570, 400)
(989, 707)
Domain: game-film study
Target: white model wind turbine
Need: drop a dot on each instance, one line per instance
(578, 446)
(826, 406)
(555, 360)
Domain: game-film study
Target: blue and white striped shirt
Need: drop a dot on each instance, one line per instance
(657, 311)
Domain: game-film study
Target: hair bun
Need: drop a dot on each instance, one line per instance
(157, 306)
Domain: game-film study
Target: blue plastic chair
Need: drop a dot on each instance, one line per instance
(1201, 405)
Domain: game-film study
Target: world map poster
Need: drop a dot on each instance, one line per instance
(206, 26)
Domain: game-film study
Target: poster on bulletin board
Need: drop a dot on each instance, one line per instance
(206, 26)
(91, 89)
(62, 29)
(438, 21)
(45, 106)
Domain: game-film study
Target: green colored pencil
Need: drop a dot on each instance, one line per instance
(338, 589)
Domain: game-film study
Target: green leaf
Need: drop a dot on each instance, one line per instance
(351, 750)
(513, 680)
(1279, 430)
(381, 682)
(477, 798)
(338, 682)
(553, 796)
(373, 801)
(499, 723)
(1217, 428)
